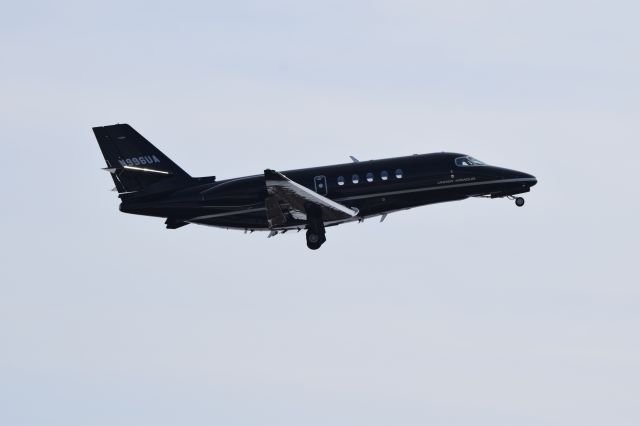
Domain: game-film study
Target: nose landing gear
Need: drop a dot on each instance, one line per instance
(519, 200)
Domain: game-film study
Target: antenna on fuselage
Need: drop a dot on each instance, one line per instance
(354, 159)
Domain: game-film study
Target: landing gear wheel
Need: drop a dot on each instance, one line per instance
(519, 201)
(315, 240)
(315, 230)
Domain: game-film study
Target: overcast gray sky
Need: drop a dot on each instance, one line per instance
(468, 313)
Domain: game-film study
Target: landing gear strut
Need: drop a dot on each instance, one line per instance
(519, 201)
(315, 231)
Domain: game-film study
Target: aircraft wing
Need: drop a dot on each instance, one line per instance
(299, 197)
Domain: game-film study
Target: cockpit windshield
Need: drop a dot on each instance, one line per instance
(468, 161)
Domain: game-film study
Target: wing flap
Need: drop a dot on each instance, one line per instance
(299, 197)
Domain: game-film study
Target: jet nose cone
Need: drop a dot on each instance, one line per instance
(531, 180)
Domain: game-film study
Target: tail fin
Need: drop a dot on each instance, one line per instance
(135, 164)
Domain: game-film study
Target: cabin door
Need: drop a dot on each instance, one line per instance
(320, 184)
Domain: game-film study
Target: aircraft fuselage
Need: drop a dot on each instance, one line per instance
(372, 187)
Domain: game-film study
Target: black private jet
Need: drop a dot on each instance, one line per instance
(149, 183)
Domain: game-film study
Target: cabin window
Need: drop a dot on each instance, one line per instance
(340, 180)
(355, 178)
(399, 174)
(384, 175)
(369, 177)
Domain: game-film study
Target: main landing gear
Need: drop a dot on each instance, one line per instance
(315, 239)
(315, 231)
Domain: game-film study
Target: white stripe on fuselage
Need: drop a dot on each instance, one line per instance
(232, 213)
